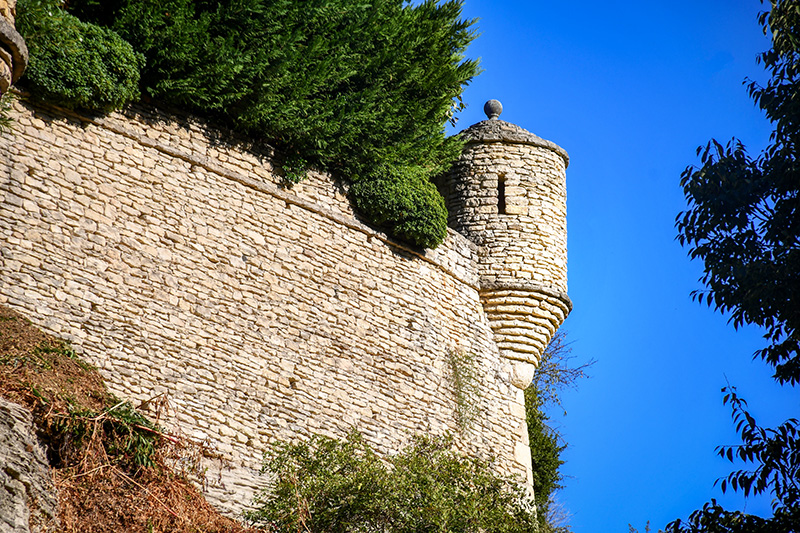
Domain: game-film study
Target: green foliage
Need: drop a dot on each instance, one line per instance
(40, 356)
(100, 12)
(546, 451)
(123, 432)
(776, 454)
(5, 108)
(362, 89)
(134, 436)
(774, 451)
(713, 518)
(295, 168)
(76, 64)
(464, 372)
(554, 374)
(403, 200)
(743, 221)
(334, 486)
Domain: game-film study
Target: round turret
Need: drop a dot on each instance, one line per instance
(507, 193)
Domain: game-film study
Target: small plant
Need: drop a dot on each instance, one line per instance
(118, 432)
(464, 373)
(6, 102)
(295, 169)
(61, 347)
(134, 436)
(328, 485)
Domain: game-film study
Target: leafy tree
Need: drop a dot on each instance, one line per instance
(546, 447)
(776, 455)
(743, 221)
(328, 485)
(362, 89)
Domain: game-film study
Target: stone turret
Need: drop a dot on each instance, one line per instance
(13, 52)
(507, 193)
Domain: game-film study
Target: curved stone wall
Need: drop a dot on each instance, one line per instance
(507, 194)
(174, 260)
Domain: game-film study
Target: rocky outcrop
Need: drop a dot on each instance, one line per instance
(27, 496)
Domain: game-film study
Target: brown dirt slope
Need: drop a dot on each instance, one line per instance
(109, 463)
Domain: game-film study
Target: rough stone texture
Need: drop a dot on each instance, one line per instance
(173, 258)
(13, 52)
(507, 194)
(490, 131)
(8, 10)
(27, 495)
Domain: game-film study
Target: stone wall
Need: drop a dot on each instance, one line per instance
(174, 260)
(508, 194)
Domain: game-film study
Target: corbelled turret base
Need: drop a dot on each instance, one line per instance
(524, 318)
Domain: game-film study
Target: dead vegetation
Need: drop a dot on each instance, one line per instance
(113, 468)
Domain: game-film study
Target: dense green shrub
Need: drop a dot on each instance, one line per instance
(404, 199)
(354, 87)
(74, 63)
(335, 486)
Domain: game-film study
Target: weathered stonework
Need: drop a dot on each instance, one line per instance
(508, 195)
(174, 259)
(13, 52)
(27, 494)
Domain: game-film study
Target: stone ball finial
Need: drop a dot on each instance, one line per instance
(493, 108)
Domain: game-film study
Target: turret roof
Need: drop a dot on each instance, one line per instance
(495, 130)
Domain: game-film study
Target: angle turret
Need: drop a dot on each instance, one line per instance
(507, 193)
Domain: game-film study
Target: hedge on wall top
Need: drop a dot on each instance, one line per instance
(73, 63)
(354, 87)
(404, 197)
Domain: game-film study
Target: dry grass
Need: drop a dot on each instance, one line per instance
(109, 464)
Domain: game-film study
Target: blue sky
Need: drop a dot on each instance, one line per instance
(630, 90)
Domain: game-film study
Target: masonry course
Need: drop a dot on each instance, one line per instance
(173, 257)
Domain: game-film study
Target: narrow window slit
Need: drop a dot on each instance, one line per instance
(501, 195)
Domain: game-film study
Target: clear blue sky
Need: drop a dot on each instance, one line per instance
(630, 90)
